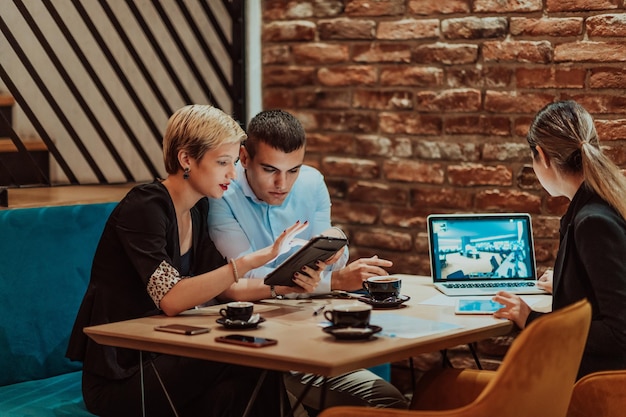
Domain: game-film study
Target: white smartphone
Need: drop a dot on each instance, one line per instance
(476, 306)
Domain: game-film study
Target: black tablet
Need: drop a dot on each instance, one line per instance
(318, 248)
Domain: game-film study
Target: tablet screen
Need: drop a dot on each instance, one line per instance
(319, 248)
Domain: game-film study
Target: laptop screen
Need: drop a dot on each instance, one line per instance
(481, 247)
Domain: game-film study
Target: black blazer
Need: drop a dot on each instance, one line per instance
(591, 263)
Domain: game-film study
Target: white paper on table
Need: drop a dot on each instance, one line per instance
(444, 300)
(395, 325)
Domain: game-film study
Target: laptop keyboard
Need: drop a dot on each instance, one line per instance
(490, 285)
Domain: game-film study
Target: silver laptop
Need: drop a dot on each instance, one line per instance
(481, 254)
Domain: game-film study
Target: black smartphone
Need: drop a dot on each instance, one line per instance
(182, 329)
(252, 341)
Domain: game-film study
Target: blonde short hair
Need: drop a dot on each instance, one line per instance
(198, 128)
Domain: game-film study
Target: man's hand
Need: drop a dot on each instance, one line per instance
(351, 277)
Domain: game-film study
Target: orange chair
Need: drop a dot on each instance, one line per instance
(601, 394)
(536, 377)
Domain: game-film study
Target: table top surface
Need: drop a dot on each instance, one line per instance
(302, 343)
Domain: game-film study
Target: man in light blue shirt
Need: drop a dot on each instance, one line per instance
(273, 190)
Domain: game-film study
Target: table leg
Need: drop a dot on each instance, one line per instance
(143, 391)
(257, 388)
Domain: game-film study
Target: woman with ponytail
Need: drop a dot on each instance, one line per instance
(591, 261)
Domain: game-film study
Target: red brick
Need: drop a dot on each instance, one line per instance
(354, 213)
(414, 218)
(375, 145)
(580, 5)
(546, 226)
(556, 205)
(276, 98)
(288, 76)
(475, 174)
(330, 142)
(443, 150)
(527, 180)
(374, 8)
(377, 52)
(600, 103)
(585, 51)
(508, 151)
(458, 100)
(347, 75)
(550, 77)
(442, 198)
(515, 102)
(617, 154)
(343, 29)
(408, 29)
(413, 171)
(504, 200)
(382, 100)
(474, 27)
(348, 121)
(447, 54)
(338, 189)
(411, 76)
(379, 192)
(327, 8)
(488, 76)
(308, 119)
(559, 27)
(522, 124)
(433, 7)
(274, 9)
(507, 6)
(312, 53)
(607, 25)
(383, 238)
(611, 129)
(288, 31)
(276, 54)
(607, 77)
(518, 51)
(350, 167)
(545, 252)
(409, 123)
(323, 99)
(485, 125)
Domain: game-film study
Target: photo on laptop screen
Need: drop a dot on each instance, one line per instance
(475, 248)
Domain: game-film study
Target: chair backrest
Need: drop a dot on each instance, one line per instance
(537, 375)
(601, 394)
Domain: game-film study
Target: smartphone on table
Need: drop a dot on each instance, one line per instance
(476, 306)
(182, 329)
(251, 341)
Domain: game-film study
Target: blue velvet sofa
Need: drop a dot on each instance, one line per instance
(45, 262)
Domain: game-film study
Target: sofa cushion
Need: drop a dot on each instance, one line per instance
(56, 396)
(45, 257)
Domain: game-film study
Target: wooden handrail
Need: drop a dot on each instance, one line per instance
(7, 145)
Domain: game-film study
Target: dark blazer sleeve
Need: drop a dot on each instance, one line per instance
(600, 239)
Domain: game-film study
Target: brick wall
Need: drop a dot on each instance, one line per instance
(420, 106)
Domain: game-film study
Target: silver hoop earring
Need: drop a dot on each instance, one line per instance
(186, 174)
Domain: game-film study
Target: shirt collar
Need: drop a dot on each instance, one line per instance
(242, 179)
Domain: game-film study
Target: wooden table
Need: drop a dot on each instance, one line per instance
(302, 345)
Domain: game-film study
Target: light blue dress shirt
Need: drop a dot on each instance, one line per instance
(239, 223)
